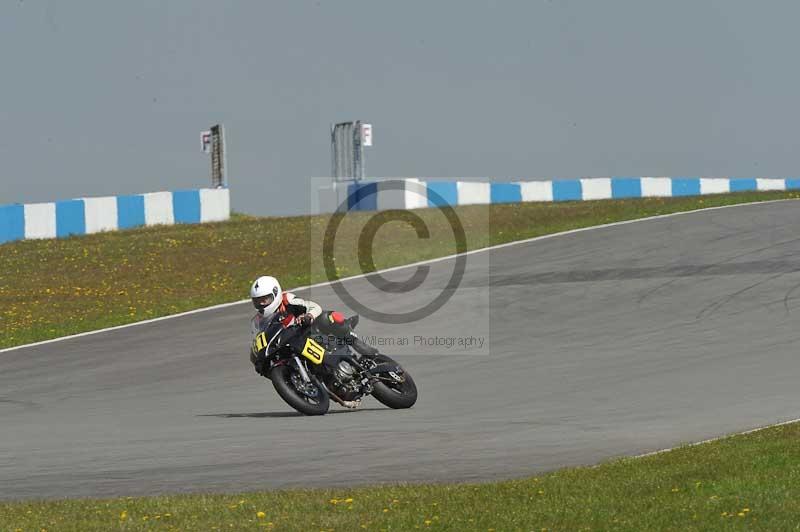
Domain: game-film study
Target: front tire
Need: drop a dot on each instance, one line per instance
(394, 394)
(314, 403)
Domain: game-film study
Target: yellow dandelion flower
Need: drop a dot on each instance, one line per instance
(348, 501)
(123, 515)
(261, 515)
(741, 514)
(385, 510)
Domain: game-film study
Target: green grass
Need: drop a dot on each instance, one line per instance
(52, 288)
(748, 482)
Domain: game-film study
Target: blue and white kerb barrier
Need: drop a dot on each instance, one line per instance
(93, 215)
(415, 193)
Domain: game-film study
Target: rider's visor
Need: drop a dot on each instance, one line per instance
(263, 301)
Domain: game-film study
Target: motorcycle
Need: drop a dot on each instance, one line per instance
(308, 369)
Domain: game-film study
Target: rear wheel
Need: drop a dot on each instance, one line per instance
(310, 398)
(392, 393)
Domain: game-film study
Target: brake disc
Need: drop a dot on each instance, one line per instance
(306, 388)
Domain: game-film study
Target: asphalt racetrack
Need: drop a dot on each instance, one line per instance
(609, 342)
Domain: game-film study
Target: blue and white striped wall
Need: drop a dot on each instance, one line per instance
(93, 215)
(417, 193)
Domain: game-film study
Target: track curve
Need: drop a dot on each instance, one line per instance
(609, 342)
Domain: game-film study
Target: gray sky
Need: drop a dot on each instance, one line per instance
(109, 97)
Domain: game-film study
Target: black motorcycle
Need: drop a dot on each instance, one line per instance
(309, 368)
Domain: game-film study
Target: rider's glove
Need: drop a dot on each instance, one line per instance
(305, 319)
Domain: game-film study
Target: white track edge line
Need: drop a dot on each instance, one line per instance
(712, 440)
(395, 268)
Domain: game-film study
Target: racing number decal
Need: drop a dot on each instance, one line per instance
(259, 342)
(313, 351)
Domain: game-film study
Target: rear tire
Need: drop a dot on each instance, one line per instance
(281, 377)
(394, 395)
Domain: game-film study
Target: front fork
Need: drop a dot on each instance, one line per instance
(302, 369)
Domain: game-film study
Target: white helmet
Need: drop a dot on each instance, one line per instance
(266, 294)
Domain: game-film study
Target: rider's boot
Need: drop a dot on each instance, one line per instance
(352, 404)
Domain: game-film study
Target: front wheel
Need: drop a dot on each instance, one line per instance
(310, 398)
(392, 393)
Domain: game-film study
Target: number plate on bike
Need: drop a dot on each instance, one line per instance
(259, 342)
(313, 351)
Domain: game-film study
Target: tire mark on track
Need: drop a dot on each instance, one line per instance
(709, 310)
(652, 291)
(788, 297)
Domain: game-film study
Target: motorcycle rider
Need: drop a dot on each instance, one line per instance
(271, 302)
